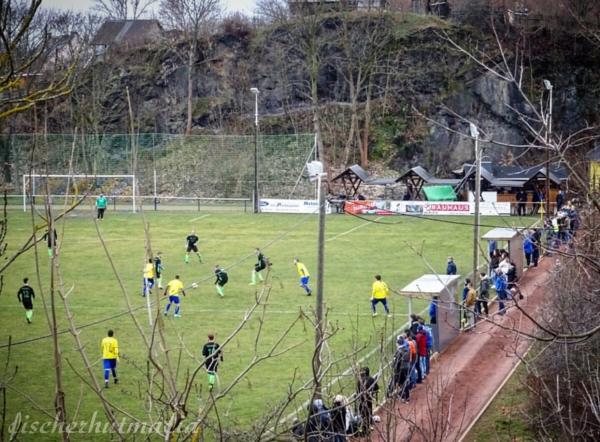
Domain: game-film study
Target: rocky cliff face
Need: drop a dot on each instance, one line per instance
(410, 67)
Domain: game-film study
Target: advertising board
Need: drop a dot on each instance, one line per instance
(272, 205)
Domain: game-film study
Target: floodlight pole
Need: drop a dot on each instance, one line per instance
(320, 334)
(477, 197)
(155, 195)
(255, 91)
(549, 88)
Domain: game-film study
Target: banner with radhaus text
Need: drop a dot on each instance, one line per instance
(417, 208)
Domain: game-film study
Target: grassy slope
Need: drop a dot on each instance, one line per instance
(353, 257)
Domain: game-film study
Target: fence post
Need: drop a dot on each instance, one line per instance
(245, 206)
(114, 203)
(198, 201)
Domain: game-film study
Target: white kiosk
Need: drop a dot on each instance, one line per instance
(513, 238)
(447, 325)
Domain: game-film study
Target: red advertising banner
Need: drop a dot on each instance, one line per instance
(366, 207)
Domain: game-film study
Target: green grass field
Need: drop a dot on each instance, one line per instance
(355, 251)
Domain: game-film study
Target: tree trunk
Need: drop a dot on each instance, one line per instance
(364, 146)
(190, 76)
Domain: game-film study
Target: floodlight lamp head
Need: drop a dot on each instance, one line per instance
(315, 170)
(254, 90)
(548, 85)
(474, 130)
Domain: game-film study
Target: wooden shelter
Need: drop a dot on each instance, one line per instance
(353, 177)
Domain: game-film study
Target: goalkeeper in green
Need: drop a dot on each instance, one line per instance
(191, 242)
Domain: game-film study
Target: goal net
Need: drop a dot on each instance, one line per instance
(61, 188)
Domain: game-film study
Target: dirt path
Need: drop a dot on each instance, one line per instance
(466, 375)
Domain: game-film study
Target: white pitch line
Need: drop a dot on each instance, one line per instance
(200, 217)
(352, 230)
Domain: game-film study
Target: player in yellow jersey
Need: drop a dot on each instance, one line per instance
(110, 356)
(379, 293)
(304, 276)
(148, 278)
(174, 289)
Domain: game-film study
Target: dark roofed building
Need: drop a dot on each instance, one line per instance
(126, 33)
(354, 176)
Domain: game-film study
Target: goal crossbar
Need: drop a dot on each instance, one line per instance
(41, 175)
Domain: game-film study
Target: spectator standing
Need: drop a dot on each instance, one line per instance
(536, 240)
(422, 352)
(469, 298)
(494, 261)
(401, 373)
(433, 310)
(412, 347)
(528, 249)
(521, 202)
(451, 267)
(501, 290)
(484, 294)
(560, 200)
(340, 421)
(536, 200)
(318, 424)
(366, 394)
(429, 335)
(492, 246)
(414, 325)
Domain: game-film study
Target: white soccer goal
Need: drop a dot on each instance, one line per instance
(31, 178)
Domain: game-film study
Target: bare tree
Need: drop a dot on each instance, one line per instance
(22, 46)
(273, 11)
(192, 18)
(123, 9)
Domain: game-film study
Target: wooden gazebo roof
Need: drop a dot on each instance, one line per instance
(354, 176)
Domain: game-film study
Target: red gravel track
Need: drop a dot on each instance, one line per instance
(466, 375)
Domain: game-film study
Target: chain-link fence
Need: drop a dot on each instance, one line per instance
(173, 166)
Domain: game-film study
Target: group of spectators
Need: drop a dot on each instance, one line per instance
(342, 419)
(411, 362)
(410, 366)
(522, 197)
(561, 228)
(412, 359)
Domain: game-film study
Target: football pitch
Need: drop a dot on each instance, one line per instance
(356, 249)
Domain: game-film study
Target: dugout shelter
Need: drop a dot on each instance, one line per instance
(448, 312)
(510, 239)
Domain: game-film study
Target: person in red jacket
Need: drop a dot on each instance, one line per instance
(421, 340)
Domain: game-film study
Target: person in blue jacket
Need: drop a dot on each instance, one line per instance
(433, 310)
(528, 248)
(451, 268)
(500, 284)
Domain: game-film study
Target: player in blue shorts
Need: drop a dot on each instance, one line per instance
(174, 289)
(304, 276)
